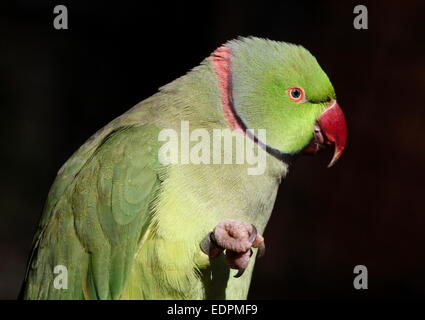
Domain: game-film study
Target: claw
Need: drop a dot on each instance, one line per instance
(261, 250)
(205, 244)
(240, 272)
(259, 243)
(210, 247)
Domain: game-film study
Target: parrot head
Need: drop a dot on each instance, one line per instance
(279, 87)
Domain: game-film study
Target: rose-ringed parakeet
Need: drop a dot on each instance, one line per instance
(126, 226)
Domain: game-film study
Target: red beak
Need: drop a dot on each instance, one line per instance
(333, 126)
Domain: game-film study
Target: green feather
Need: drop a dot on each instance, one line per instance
(96, 224)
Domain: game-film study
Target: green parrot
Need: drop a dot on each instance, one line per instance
(119, 223)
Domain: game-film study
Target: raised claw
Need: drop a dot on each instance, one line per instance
(210, 247)
(240, 272)
(260, 244)
(236, 238)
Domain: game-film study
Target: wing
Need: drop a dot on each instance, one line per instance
(96, 214)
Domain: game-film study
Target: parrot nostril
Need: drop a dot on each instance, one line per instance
(318, 135)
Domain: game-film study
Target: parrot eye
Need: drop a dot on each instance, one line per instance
(296, 94)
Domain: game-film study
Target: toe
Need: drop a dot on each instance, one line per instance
(235, 235)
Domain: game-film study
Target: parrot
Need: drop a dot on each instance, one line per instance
(119, 224)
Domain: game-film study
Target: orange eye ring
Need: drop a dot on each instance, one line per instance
(296, 93)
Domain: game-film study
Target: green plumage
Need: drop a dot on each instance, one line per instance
(127, 227)
(97, 222)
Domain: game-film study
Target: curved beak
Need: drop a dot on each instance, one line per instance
(334, 129)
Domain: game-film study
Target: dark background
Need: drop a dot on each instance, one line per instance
(57, 87)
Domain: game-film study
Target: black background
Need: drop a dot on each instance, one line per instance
(57, 87)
